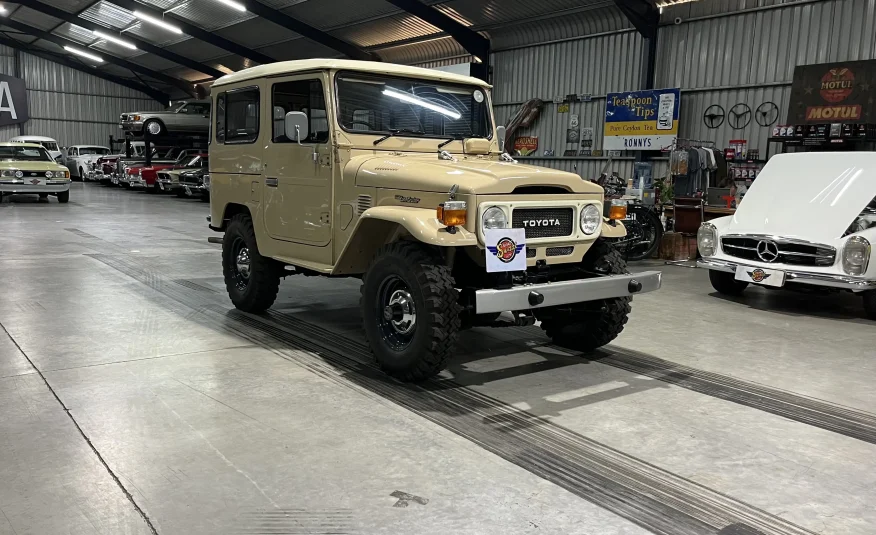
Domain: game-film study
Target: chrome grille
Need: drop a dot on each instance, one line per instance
(560, 251)
(794, 252)
(544, 222)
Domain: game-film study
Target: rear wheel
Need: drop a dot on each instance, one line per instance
(251, 279)
(726, 283)
(590, 325)
(870, 304)
(410, 311)
(64, 197)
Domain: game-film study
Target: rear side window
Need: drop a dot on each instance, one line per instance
(237, 116)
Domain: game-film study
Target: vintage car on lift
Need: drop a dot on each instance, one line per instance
(808, 221)
(142, 176)
(79, 159)
(396, 175)
(192, 116)
(28, 168)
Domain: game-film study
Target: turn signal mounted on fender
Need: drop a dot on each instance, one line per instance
(618, 210)
(452, 213)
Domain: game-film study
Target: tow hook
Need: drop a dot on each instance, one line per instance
(634, 286)
(536, 298)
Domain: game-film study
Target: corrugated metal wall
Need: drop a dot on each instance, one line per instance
(69, 105)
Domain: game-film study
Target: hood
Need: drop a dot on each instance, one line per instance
(32, 166)
(473, 175)
(812, 196)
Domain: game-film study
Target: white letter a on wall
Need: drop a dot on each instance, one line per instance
(6, 103)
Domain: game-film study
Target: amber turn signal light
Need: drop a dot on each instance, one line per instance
(617, 211)
(452, 213)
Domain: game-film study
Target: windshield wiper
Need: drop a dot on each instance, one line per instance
(399, 132)
(449, 141)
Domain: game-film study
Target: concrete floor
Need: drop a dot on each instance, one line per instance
(135, 401)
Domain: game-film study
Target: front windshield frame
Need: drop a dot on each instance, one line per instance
(489, 125)
(19, 148)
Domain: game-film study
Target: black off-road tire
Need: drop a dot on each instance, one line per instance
(870, 304)
(590, 325)
(431, 287)
(726, 283)
(263, 282)
(64, 197)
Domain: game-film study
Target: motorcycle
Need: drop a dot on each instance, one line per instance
(644, 228)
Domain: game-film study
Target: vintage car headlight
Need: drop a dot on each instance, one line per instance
(50, 174)
(7, 172)
(856, 255)
(19, 174)
(494, 217)
(707, 239)
(591, 218)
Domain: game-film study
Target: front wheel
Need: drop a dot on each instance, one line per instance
(592, 324)
(726, 283)
(410, 311)
(64, 197)
(153, 127)
(870, 304)
(252, 280)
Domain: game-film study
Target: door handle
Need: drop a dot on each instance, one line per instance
(272, 182)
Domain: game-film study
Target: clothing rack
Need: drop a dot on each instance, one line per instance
(681, 143)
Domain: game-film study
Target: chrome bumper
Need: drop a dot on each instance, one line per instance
(51, 186)
(550, 294)
(845, 282)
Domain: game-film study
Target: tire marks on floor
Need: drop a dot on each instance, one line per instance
(653, 498)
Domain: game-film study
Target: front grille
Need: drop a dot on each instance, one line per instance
(560, 251)
(800, 254)
(544, 222)
(530, 253)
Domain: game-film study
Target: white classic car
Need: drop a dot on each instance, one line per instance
(79, 159)
(808, 219)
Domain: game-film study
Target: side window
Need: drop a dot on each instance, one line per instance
(300, 95)
(241, 116)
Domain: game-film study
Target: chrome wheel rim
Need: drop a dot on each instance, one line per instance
(153, 128)
(242, 265)
(396, 313)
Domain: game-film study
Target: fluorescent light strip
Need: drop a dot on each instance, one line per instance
(158, 22)
(407, 97)
(2, 9)
(231, 3)
(83, 53)
(113, 39)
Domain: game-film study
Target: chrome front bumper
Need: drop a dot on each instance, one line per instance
(845, 282)
(51, 186)
(529, 296)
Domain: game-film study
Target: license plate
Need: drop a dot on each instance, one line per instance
(765, 277)
(34, 182)
(188, 190)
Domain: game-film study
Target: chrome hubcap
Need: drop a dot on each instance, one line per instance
(154, 128)
(400, 312)
(242, 261)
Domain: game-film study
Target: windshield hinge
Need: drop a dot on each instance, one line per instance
(444, 155)
(507, 158)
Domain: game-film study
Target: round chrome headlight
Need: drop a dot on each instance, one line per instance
(856, 255)
(19, 174)
(494, 217)
(707, 239)
(591, 218)
(49, 174)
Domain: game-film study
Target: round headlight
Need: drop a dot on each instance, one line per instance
(856, 255)
(19, 174)
(591, 218)
(49, 174)
(494, 217)
(707, 239)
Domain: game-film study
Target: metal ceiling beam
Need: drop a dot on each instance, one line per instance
(476, 44)
(305, 30)
(193, 31)
(62, 41)
(160, 96)
(645, 18)
(78, 20)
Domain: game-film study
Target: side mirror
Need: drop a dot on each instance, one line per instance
(500, 133)
(296, 126)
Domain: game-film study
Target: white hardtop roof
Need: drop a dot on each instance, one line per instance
(19, 144)
(376, 67)
(88, 147)
(34, 138)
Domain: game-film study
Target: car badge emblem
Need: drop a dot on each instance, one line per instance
(758, 275)
(506, 249)
(35, 181)
(767, 251)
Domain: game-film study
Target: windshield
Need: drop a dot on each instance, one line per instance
(382, 104)
(92, 150)
(30, 154)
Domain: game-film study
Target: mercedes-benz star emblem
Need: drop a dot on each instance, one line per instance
(767, 251)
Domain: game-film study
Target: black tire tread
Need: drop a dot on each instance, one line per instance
(64, 197)
(870, 304)
(725, 283)
(265, 273)
(589, 330)
(441, 299)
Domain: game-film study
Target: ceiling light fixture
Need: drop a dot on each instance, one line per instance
(417, 101)
(158, 22)
(113, 39)
(83, 53)
(2, 9)
(231, 3)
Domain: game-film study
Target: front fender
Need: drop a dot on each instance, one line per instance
(613, 230)
(384, 224)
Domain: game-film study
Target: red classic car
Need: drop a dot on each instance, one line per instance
(140, 176)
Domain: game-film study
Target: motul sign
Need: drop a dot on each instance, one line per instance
(834, 93)
(13, 101)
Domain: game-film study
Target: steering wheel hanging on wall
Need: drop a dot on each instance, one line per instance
(766, 114)
(713, 117)
(739, 116)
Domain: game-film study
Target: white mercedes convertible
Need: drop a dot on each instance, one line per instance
(809, 219)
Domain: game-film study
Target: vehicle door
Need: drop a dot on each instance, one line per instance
(70, 159)
(195, 116)
(298, 175)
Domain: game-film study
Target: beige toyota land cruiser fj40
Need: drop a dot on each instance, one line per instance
(395, 175)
